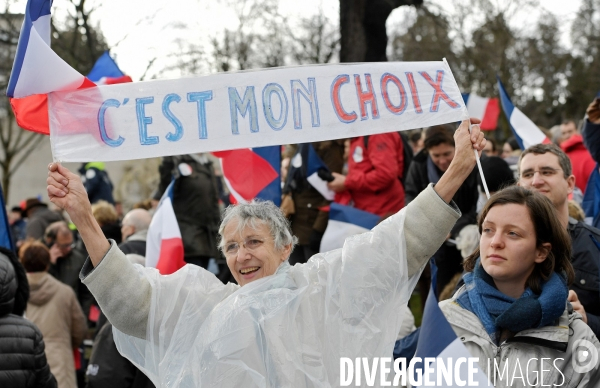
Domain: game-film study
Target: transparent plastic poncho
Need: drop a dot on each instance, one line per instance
(285, 330)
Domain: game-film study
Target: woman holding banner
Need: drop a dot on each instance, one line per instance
(282, 326)
(512, 312)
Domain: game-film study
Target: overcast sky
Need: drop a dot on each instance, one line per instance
(125, 23)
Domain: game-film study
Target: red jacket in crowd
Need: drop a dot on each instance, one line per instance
(373, 174)
(582, 161)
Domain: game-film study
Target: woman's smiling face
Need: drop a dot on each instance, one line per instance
(251, 253)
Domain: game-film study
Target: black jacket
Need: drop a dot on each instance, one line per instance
(195, 203)
(465, 198)
(107, 368)
(23, 362)
(585, 262)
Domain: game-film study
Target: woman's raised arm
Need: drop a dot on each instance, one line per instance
(66, 191)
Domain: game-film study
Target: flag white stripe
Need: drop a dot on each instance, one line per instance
(337, 232)
(476, 106)
(526, 129)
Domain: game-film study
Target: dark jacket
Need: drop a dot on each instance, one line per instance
(585, 262)
(67, 270)
(39, 219)
(308, 219)
(195, 203)
(136, 243)
(107, 368)
(465, 198)
(591, 139)
(23, 362)
(96, 182)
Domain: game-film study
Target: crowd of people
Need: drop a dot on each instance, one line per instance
(517, 275)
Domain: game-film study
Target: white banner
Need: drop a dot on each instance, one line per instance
(250, 109)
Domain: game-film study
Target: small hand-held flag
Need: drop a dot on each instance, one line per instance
(525, 131)
(485, 109)
(164, 246)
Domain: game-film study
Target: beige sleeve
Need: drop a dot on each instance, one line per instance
(428, 221)
(121, 291)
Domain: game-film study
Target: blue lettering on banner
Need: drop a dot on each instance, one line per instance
(201, 98)
(242, 106)
(310, 95)
(101, 123)
(169, 98)
(143, 120)
(268, 91)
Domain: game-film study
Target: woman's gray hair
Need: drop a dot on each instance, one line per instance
(255, 212)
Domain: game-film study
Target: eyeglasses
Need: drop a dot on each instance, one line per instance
(250, 244)
(544, 171)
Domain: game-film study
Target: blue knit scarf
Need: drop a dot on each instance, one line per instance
(497, 311)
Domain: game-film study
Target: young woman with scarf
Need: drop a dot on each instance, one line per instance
(512, 313)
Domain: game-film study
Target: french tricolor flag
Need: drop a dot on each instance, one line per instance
(525, 131)
(438, 340)
(252, 173)
(345, 221)
(164, 246)
(38, 70)
(106, 72)
(485, 109)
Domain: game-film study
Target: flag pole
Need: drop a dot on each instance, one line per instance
(466, 117)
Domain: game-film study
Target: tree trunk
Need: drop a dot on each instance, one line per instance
(363, 30)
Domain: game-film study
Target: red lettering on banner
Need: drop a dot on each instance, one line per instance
(385, 80)
(337, 103)
(413, 90)
(366, 97)
(439, 93)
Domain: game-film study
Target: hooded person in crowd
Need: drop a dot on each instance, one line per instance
(513, 312)
(23, 361)
(281, 325)
(54, 308)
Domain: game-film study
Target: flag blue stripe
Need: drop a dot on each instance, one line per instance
(465, 97)
(354, 216)
(5, 238)
(436, 333)
(314, 161)
(105, 66)
(272, 192)
(508, 107)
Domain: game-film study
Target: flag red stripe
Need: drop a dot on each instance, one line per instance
(171, 256)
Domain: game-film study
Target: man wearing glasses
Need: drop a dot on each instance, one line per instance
(66, 262)
(547, 169)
